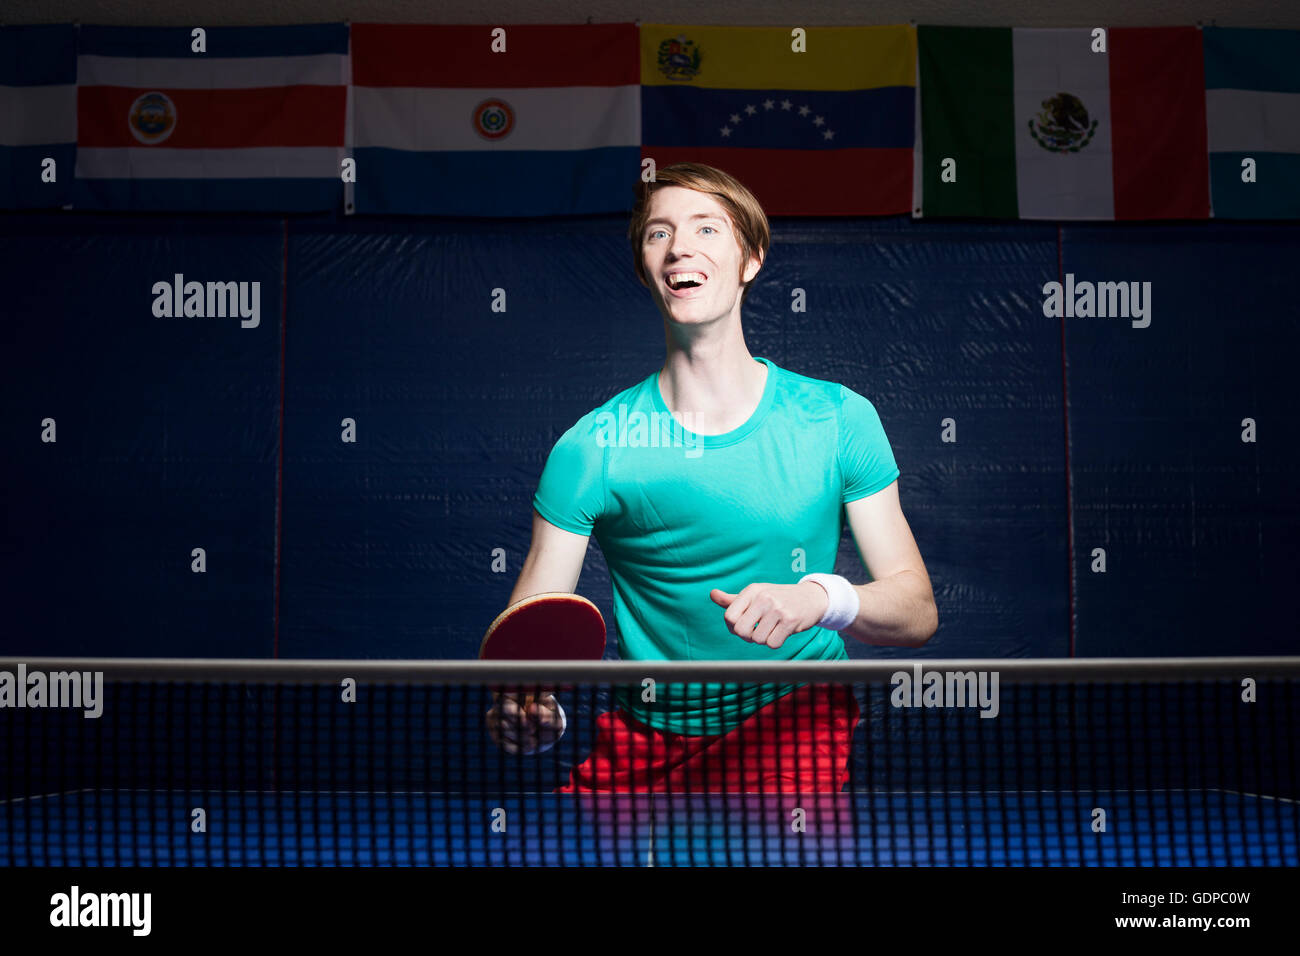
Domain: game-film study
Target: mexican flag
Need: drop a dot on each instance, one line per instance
(1061, 124)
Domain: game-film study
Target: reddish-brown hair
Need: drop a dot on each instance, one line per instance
(747, 216)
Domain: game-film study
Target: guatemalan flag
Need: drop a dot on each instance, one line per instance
(495, 121)
(255, 121)
(38, 116)
(1252, 105)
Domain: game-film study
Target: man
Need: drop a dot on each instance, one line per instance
(707, 519)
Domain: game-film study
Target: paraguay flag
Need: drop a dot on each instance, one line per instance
(38, 116)
(254, 121)
(821, 124)
(495, 121)
(1252, 107)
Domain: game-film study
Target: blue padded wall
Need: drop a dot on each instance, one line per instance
(182, 433)
(166, 440)
(1199, 528)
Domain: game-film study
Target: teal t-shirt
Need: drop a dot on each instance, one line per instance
(678, 514)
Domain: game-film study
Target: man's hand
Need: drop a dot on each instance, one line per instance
(769, 613)
(518, 730)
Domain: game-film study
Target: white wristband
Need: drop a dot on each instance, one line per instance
(842, 608)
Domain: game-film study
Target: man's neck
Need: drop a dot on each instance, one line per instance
(712, 389)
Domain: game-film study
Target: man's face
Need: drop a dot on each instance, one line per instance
(690, 238)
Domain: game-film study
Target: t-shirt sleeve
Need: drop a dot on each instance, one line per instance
(866, 460)
(571, 492)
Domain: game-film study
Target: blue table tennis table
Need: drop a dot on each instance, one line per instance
(350, 828)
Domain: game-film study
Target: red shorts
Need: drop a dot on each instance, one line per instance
(798, 743)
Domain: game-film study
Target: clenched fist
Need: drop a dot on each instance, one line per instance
(770, 613)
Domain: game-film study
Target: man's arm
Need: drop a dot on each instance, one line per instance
(897, 607)
(554, 561)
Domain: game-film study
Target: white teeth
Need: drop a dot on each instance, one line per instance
(676, 280)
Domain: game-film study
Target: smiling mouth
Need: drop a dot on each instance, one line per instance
(684, 281)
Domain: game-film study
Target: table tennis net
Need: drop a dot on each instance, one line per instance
(389, 763)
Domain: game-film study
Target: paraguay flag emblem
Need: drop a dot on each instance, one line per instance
(152, 118)
(494, 119)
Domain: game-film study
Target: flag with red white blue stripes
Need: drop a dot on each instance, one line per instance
(533, 120)
(222, 119)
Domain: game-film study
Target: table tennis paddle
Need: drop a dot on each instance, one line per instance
(554, 626)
